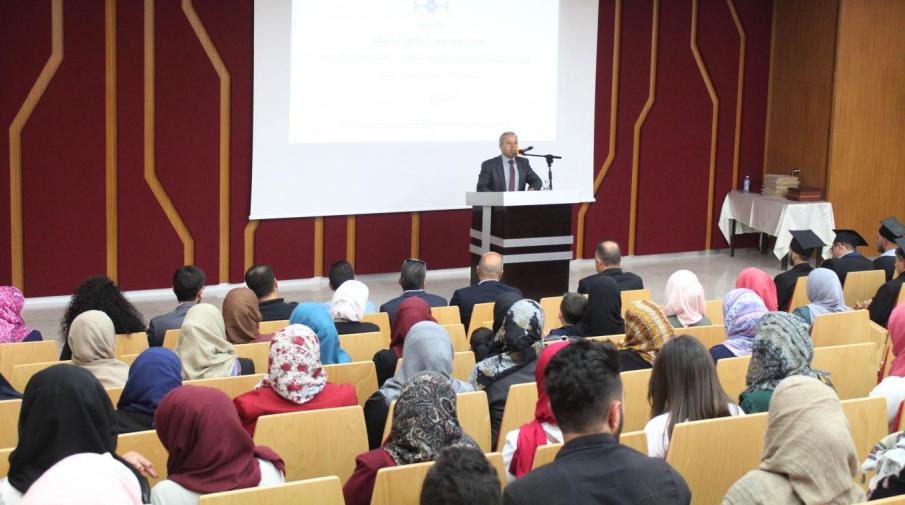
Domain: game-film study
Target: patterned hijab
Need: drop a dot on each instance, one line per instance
(603, 314)
(316, 317)
(411, 311)
(646, 329)
(425, 421)
(202, 346)
(782, 348)
(295, 371)
(93, 340)
(887, 459)
(825, 293)
(349, 301)
(685, 298)
(12, 327)
(742, 310)
(760, 282)
(519, 339)
(241, 315)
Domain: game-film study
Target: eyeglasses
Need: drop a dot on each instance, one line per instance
(414, 260)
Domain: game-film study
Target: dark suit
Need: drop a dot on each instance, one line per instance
(276, 310)
(627, 281)
(887, 263)
(492, 178)
(596, 469)
(391, 306)
(785, 283)
(483, 292)
(885, 300)
(851, 262)
(159, 325)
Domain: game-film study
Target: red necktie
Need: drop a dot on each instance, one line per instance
(511, 175)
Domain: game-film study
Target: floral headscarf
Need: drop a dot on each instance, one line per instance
(12, 327)
(295, 372)
(742, 310)
(520, 341)
(782, 348)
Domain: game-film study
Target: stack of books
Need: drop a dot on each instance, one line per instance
(803, 194)
(778, 185)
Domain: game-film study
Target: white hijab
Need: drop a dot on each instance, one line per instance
(349, 301)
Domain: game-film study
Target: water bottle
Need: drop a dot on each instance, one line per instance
(746, 186)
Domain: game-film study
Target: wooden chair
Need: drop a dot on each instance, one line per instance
(315, 443)
(633, 295)
(550, 306)
(9, 422)
(4, 461)
(361, 375)
(733, 373)
(323, 491)
(496, 461)
(148, 444)
(382, 320)
(463, 364)
(853, 368)
(114, 394)
(887, 362)
(473, 413)
(710, 335)
(880, 336)
(519, 409)
(867, 419)
(714, 311)
(268, 327)
(171, 338)
(258, 352)
(480, 313)
(860, 286)
(232, 386)
(901, 296)
(362, 346)
(799, 294)
(125, 358)
(635, 407)
(545, 454)
(131, 343)
(447, 315)
(401, 485)
(841, 328)
(21, 353)
(637, 440)
(457, 336)
(486, 324)
(23, 373)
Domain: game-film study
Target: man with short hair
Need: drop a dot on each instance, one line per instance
(411, 278)
(607, 260)
(260, 279)
(461, 476)
(585, 393)
(802, 247)
(508, 171)
(571, 310)
(488, 288)
(846, 257)
(188, 286)
(340, 272)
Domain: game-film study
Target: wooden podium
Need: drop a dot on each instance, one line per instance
(533, 232)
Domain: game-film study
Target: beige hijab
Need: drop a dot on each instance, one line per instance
(809, 456)
(92, 339)
(203, 348)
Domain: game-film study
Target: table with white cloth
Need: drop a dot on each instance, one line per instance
(753, 212)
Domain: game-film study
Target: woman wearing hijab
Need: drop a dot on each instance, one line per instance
(685, 303)
(316, 317)
(100, 293)
(154, 373)
(646, 330)
(295, 381)
(742, 310)
(209, 451)
(825, 295)
(427, 348)
(411, 311)
(603, 314)
(424, 423)
(760, 282)
(93, 342)
(808, 457)
(893, 386)
(12, 326)
(521, 444)
(887, 461)
(85, 479)
(241, 316)
(348, 308)
(65, 411)
(782, 348)
(203, 349)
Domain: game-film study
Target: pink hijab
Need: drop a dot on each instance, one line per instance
(685, 298)
(758, 281)
(896, 327)
(12, 327)
(85, 478)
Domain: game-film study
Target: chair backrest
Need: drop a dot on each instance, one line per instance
(400, 485)
(519, 409)
(114, 394)
(126, 358)
(258, 352)
(732, 373)
(4, 461)
(545, 454)
(799, 294)
(382, 320)
(860, 286)
(21, 353)
(480, 313)
(463, 364)
(635, 407)
(171, 338)
(9, 422)
(853, 368)
(232, 386)
(841, 328)
(887, 362)
(447, 315)
(362, 375)
(901, 297)
(148, 444)
(268, 327)
(633, 295)
(362, 346)
(323, 491)
(315, 443)
(457, 336)
(710, 335)
(23, 373)
(714, 311)
(637, 440)
(867, 419)
(131, 343)
(550, 306)
(473, 413)
(496, 461)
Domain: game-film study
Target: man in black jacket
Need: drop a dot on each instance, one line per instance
(890, 231)
(608, 260)
(846, 257)
(800, 251)
(488, 288)
(508, 172)
(260, 279)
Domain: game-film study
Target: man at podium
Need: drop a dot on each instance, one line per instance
(508, 172)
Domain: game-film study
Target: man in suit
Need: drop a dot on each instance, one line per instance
(608, 259)
(890, 230)
(508, 172)
(585, 393)
(881, 305)
(846, 258)
(260, 279)
(188, 286)
(488, 288)
(411, 278)
(800, 251)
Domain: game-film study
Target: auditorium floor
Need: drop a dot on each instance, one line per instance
(716, 271)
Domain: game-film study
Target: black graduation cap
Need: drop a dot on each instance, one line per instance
(850, 237)
(901, 243)
(891, 228)
(804, 242)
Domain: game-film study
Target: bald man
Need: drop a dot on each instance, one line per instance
(488, 288)
(608, 261)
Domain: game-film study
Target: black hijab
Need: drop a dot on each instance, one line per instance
(501, 308)
(6, 390)
(603, 314)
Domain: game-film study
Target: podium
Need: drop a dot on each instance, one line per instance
(533, 232)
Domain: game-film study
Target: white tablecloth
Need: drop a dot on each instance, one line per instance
(776, 216)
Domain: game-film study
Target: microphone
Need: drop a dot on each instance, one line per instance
(525, 150)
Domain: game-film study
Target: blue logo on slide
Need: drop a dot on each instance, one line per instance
(431, 6)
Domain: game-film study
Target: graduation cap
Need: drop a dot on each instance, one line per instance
(891, 229)
(901, 243)
(804, 242)
(850, 237)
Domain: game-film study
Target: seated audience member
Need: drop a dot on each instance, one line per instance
(85, 479)
(685, 303)
(893, 386)
(411, 278)
(461, 476)
(881, 305)
(488, 288)
(607, 260)
(427, 349)
(808, 456)
(93, 344)
(340, 272)
(153, 374)
(520, 344)
(348, 308)
(646, 331)
(592, 467)
(99, 293)
(480, 342)
(208, 450)
(885, 461)
(316, 317)
(521, 444)
(7, 392)
(571, 310)
(760, 282)
(603, 313)
(242, 317)
(188, 286)
(203, 349)
(825, 295)
(501, 307)
(802, 247)
(260, 279)
(782, 348)
(12, 326)
(411, 312)
(742, 310)
(890, 232)
(846, 258)
(424, 423)
(683, 387)
(295, 381)
(65, 411)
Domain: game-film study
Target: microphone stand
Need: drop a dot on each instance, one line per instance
(549, 158)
